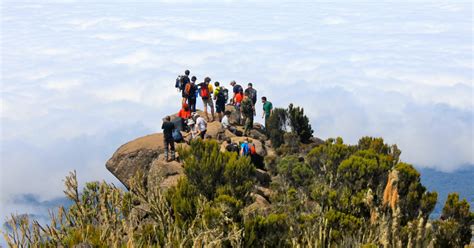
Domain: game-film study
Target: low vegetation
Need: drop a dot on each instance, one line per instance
(322, 195)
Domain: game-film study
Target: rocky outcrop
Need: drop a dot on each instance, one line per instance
(145, 155)
(135, 157)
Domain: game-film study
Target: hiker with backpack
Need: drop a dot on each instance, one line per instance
(168, 140)
(181, 83)
(247, 109)
(247, 148)
(267, 110)
(205, 91)
(221, 95)
(236, 89)
(191, 92)
(252, 93)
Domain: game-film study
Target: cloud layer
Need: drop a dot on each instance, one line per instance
(78, 80)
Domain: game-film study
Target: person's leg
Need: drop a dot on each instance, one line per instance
(173, 156)
(165, 142)
(205, 102)
(211, 104)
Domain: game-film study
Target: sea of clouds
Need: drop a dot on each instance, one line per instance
(79, 79)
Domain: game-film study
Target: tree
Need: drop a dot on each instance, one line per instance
(457, 220)
(299, 123)
(277, 127)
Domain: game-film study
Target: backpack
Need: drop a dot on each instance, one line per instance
(177, 137)
(178, 82)
(252, 149)
(223, 95)
(246, 149)
(204, 92)
(187, 89)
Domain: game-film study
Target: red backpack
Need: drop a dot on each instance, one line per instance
(204, 91)
(187, 89)
(252, 149)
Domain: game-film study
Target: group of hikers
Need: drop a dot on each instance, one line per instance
(216, 98)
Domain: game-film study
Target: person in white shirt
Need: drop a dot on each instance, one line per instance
(201, 126)
(226, 124)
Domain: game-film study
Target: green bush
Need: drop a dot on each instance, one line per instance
(270, 231)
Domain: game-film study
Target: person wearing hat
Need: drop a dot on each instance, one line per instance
(201, 126)
(192, 127)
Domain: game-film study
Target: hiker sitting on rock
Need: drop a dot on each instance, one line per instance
(168, 140)
(185, 113)
(247, 148)
(231, 147)
(226, 124)
(201, 126)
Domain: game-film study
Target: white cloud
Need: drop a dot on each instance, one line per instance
(77, 84)
(212, 35)
(63, 85)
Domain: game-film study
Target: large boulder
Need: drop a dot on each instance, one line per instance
(234, 116)
(214, 129)
(137, 156)
(164, 174)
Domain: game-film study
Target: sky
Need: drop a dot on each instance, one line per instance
(81, 78)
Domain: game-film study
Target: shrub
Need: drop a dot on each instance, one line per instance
(299, 123)
(270, 231)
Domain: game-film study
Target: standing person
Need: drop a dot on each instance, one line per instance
(191, 92)
(237, 101)
(267, 110)
(181, 83)
(206, 95)
(236, 88)
(201, 126)
(252, 93)
(247, 112)
(168, 140)
(220, 95)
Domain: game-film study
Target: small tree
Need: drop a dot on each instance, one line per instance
(299, 123)
(277, 127)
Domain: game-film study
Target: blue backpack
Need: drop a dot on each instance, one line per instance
(245, 148)
(177, 137)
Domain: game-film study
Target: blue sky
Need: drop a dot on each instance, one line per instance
(80, 78)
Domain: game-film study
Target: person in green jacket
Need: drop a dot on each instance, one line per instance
(267, 110)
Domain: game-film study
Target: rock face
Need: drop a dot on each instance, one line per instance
(135, 156)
